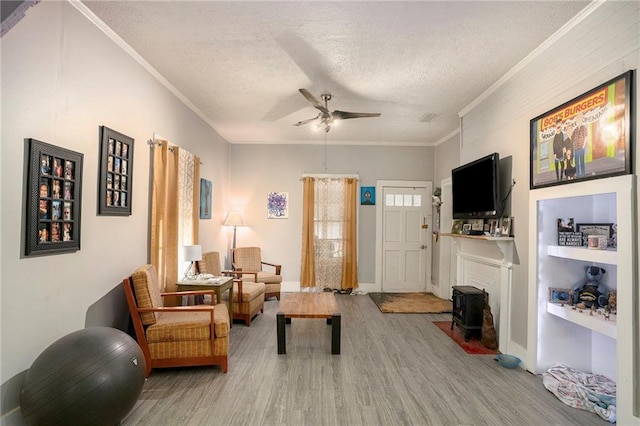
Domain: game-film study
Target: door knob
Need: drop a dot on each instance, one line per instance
(423, 247)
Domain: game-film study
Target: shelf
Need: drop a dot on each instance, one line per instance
(478, 237)
(608, 256)
(594, 322)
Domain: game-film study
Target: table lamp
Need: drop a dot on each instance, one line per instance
(191, 254)
(234, 218)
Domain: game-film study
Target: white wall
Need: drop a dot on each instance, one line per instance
(257, 170)
(61, 79)
(585, 54)
(447, 157)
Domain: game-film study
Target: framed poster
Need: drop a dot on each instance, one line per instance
(367, 195)
(588, 137)
(116, 171)
(205, 199)
(278, 205)
(54, 183)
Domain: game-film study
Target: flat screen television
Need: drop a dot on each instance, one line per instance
(475, 189)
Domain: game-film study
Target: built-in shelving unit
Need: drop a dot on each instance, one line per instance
(609, 256)
(560, 334)
(596, 322)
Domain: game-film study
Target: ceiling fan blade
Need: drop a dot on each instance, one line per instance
(313, 100)
(300, 123)
(343, 115)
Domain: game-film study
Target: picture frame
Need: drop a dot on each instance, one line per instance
(567, 235)
(600, 121)
(505, 226)
(205, 198)
(456, 226)
(559, 295)
(594, 229)
(466, 228)
(367, 195)
(115, 183)
(477, 224)
(278, 205)
(494, 227)
(53, 201)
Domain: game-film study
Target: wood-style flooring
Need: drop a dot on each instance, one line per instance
(394, 369)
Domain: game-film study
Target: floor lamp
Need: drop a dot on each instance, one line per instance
(234, 218)
(191, 254)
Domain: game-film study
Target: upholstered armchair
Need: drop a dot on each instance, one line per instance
(248, 297)
(248, 259)
(175, 336)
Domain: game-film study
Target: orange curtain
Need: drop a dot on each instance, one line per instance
(350, 258)
(195, 211)
(307, 272)
(163, 245)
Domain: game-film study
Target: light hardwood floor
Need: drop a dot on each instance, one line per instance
(394, 369)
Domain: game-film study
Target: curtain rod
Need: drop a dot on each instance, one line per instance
(331, 175)
(352, 175)
(152, 143)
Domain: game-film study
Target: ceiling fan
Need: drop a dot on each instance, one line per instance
(325, 117)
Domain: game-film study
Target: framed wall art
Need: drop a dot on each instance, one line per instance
(587, 229)
(559, 295)
(54, 183)
(205, 199)
(116, 171)
(588, 137)
(367, 195)
(278, 205)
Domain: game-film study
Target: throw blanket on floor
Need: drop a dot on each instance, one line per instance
(590, 392)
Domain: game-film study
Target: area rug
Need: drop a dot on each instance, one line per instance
(410, 303)
(473, 346)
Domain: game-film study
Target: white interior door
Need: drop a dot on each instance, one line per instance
(406, 242)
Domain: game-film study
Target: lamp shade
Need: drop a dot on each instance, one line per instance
(192, 253)
(234, 218)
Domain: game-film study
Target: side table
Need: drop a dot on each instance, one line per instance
(217, 284)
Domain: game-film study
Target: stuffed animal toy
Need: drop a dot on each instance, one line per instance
(591, 291)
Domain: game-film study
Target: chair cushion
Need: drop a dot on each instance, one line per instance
(248, 258)
(250, 291)
(188, 326)
(210, 263)
(272, 288)
(268, 278)
(264, 277)
(145, 284)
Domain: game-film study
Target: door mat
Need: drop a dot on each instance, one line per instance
(410, 303)
(473, 346)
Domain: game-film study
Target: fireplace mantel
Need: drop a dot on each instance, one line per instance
(486, 262)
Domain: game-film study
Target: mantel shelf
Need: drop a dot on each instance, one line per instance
(479, 237)
(594, 322)
(505, 244)
(608, 256)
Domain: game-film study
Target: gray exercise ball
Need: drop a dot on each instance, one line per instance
(92, 376)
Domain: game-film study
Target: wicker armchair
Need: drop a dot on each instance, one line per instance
(248, 259)
(248, 296)
(175, 336)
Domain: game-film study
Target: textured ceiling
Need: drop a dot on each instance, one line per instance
(241, 63)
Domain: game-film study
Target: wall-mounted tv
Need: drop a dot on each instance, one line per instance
(475, 189)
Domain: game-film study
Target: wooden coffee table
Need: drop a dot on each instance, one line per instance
(309, 305)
